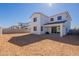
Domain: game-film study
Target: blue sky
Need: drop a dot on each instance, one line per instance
(11, 14)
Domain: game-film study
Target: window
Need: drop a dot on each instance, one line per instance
(59, 18)
(34, 28)
(35, 19)
(58, 29)
(41, 28)
(52, 19)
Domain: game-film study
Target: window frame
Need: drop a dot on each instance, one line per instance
(51, 19)
(35, 28)
(35, 19)
(59, 18)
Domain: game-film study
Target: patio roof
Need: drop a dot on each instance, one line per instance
(55, 22)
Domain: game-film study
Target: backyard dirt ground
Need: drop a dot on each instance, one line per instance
(26, 44)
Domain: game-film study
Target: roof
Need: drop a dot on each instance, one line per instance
(60, 13)
(39, 13)
(65, 12)
(56, 22)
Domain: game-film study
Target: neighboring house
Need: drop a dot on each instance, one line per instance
(19, 28)
(14, 27)
(59, 23)
(25, 26)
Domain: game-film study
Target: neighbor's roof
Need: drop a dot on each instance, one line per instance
(56, 22)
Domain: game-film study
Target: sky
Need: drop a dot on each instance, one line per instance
(12, 14)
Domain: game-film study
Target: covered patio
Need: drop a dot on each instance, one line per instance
(56, 28)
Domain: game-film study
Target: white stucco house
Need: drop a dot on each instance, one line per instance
(59, 23)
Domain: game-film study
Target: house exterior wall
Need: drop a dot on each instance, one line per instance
(62, 30)
(64, 17)
(68, 25)
(65, 28)
(42, 19)
(37, 24)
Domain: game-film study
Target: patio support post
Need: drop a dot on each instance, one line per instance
(61, 31)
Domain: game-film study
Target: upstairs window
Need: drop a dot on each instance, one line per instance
(34, 19)
(35, 28)
(59, 18)
(51, 19)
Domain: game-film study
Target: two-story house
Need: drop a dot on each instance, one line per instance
(59, 23)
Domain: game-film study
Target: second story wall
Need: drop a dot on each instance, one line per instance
(44, 19)
(59, 17)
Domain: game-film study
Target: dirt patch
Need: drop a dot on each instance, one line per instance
(29, 44)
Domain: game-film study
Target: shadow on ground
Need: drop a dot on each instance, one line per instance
(31, 38)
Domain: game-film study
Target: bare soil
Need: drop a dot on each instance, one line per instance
(26, 44)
